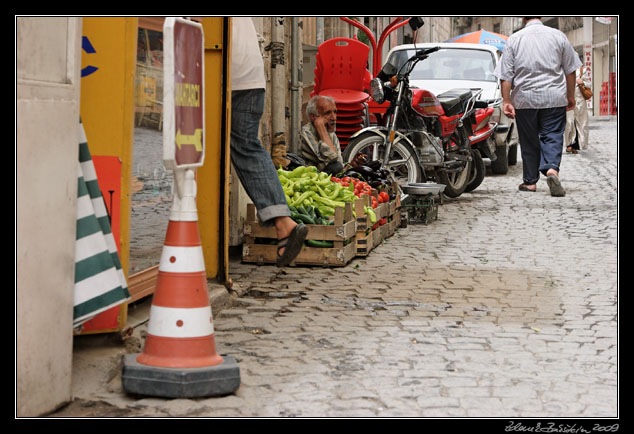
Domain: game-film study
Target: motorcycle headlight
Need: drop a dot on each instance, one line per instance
(376, 91)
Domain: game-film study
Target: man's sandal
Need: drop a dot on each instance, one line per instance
(523, 187)
(292, 245)
(555, 186)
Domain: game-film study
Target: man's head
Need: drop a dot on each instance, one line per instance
(325, 107)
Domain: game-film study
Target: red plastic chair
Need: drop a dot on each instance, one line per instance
(341, 70)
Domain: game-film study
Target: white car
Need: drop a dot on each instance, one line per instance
(458, 65)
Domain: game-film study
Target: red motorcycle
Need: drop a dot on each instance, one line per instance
(425, 137)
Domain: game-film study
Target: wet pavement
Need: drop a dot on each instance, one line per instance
(151, 199)
(506, 306)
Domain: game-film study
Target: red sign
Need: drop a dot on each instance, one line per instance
(183, 133)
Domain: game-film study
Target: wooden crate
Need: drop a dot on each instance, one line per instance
(393, 216)
(391, 211)
(261, 243)
(365, 234)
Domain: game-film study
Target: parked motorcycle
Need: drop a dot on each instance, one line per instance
(427, 137)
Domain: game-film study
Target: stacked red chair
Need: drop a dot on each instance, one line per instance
(341, 73)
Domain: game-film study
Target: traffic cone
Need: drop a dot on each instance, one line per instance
(180, 332)
(179, 358)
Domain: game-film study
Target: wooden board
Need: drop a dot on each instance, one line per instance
(261, 243)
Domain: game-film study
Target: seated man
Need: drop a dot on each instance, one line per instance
(319, 143)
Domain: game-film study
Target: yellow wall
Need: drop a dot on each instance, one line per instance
(107, 109)
(107, 102)
(213, 176)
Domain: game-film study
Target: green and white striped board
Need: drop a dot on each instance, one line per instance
(99, 280)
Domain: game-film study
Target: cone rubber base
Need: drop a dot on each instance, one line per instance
(218, 380)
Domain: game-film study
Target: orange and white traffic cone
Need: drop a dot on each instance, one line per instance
(179, 358)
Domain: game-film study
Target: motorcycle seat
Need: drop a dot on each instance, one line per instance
(453, 101)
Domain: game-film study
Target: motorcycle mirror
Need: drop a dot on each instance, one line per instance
(416, 23)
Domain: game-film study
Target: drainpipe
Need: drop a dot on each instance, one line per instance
(296, 84)
(320, 30)
(278, 93)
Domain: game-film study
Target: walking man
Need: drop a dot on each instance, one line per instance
(537, 73)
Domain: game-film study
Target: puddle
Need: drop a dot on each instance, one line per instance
(257, 293)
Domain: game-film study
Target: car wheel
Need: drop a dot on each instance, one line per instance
(501, 164)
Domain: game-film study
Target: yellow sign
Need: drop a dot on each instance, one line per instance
(187, 95)
(195, 139)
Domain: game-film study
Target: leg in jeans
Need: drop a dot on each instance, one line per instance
(258, 175)
(252, 163)
(552, 124)
(528, 132)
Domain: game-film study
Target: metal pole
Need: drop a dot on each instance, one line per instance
(296, 84)
(278, 80)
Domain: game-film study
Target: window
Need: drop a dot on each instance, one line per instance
(450, 64)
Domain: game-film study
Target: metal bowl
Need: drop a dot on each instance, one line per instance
(423, 188)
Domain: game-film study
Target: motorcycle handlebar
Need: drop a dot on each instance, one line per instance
(488, 102)
(423, 53)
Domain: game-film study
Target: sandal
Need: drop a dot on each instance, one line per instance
(555, 186)
(523, 187)
(292, 245)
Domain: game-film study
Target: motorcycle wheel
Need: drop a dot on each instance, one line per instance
(403, 162)
(455, 182)
(478, 171)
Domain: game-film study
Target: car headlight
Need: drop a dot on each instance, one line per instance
(376, 91)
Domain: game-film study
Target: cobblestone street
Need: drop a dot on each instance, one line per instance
(506, 306)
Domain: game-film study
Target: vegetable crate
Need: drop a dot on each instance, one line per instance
(365, 234)
(387, 217)
(392, 215)
(261, 242)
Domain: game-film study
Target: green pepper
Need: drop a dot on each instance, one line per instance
(347, 196)
(319, 244)
(369, 211)
(328, 202)
(297, 172)
(336, 190)
(325, 210)
(302, 197)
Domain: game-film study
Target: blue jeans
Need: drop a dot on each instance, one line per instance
(251, 161)
(541, 134)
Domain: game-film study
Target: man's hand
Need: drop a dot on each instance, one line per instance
(571, 81)
(320, 125)
(507, 107)
(571, 103)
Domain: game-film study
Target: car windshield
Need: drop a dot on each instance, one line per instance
(449, 64)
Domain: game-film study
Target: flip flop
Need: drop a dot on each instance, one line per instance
(555, 186)
(523, 187)
(292, 245)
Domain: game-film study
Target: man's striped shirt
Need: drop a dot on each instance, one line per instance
(536, 60)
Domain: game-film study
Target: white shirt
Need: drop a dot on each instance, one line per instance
(536, 60)
(247, 66)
